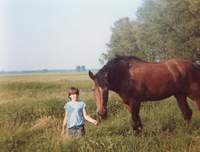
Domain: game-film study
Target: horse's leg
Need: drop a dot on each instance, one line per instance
(198, 103)
(136, 121)
(183, 105)
(194, 93)
(127, 107)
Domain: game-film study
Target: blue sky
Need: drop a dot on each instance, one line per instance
(57, 34)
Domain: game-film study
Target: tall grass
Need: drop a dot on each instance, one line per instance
(31, 114)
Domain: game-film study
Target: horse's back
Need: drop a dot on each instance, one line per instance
(159, 80)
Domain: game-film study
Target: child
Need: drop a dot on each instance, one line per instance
(75, 112)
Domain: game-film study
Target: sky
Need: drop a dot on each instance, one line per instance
(58, 34)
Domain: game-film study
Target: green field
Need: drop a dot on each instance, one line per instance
(31, 114)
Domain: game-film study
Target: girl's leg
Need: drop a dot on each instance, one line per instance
(80, 131)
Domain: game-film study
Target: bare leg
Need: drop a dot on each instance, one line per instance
(136, 124)
(183, 105)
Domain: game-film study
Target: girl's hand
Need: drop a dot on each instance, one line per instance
(95, 122)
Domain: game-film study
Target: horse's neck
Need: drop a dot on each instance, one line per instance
(116, 77)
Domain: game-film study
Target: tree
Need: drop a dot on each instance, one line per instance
(163, 29)
(123, 41)
(80, 68)
(169, 25)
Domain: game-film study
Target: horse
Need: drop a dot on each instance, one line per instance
(136, 80)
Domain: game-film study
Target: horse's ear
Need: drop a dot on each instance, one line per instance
(91, 75)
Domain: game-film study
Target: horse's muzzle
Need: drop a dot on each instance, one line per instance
(103, 115)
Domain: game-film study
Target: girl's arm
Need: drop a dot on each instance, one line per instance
(64, 123)
(88, 118)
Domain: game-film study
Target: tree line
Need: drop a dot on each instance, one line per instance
(162, 29)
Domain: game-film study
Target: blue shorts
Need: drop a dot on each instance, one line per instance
(76, 131)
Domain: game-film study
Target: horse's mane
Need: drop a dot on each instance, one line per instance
(126, 58)
(118, 59)
(122, 59)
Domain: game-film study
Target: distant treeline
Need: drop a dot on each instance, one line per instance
(162, 29)
(44, 71)
(80, 68)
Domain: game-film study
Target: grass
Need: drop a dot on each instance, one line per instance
(31, 114)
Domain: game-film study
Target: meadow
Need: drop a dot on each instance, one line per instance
(31, 115)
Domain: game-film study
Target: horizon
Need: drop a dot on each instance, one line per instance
(49, 70)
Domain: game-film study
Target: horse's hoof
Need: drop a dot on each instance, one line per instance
(140, 129)
(137, 132)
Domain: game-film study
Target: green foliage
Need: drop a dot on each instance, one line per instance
(163, 29)
(123, 41)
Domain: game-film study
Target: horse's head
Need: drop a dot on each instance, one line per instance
(100, 88)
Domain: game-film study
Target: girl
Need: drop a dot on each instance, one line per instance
(75, 113)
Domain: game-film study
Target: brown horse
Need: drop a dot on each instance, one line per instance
(137, 81)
